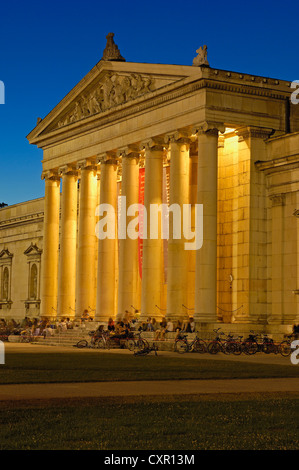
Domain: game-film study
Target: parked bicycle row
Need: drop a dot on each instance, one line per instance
(225, 343)
(106, 340)
(230, 344)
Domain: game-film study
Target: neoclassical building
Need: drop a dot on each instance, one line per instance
(161, 134)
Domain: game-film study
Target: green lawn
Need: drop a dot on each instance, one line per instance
(96, 366)
(178, 423)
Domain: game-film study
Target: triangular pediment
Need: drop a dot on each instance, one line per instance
(108, 86)
(5, 254)
(32, 249)
(112, 90)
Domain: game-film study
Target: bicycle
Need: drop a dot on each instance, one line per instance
(95, 342)
(226, 345)
(101, 341)
(182, 345)
(268, 346)
(146, 350)
(251, 346)
(26, 337)
(137, 342)
(285, 347)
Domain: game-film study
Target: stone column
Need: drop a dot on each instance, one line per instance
(68, 240)
(177, 272)
(296, 292)
(106, 276)
(85, 284)
(250, 268)
(193, 164)
(128, 246)
(49, 268)
(152, 265)
(277, 212)
(206, 256)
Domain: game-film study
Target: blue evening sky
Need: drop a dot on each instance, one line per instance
(46, 48)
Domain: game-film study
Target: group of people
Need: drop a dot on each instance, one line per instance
(120, 328)
(33, 327)
(123, 327)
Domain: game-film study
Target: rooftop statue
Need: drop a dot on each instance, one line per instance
(111, 51)
(201, 58)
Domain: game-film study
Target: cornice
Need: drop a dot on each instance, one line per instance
(285, 163)
(253, 132)
(26, 219)
(156, 98)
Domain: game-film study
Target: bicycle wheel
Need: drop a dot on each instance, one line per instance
(131, 344)
(285, 348)
(181, 346)
(268, 348)
(24, 339)
(214, 347)
(142, 344)
(82, 344)
(238, 349)
(229, 347)
(251, 347)
(100, 343)
(109, 343)
(200, 346)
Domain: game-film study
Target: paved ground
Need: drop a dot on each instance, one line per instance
(146, 388)
(259, 358)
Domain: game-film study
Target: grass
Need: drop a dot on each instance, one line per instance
(178, 423)
(80, 366)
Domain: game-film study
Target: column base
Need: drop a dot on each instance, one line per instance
(205, 318)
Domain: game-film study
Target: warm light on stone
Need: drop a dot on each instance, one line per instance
(192, 135)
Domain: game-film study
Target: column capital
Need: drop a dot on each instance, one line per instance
(86, 164)
(178, 136)
(129, 152)
(67, 170)
(155, 143)
(245, 133)
(108, 157)
(50, 175)
(210, 127)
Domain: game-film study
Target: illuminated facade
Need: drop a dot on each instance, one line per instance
(162, 134)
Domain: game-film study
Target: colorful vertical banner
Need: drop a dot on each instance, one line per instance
(140, 218)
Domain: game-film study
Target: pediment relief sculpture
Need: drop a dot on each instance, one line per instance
(115, 90)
